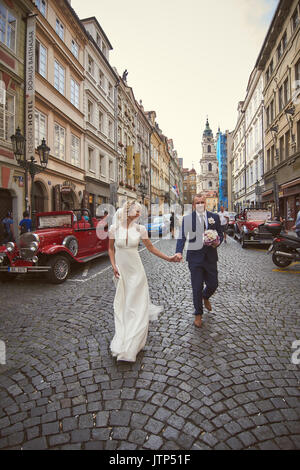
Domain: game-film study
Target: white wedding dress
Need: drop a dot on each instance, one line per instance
(132, 305)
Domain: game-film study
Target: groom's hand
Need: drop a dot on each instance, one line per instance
(178, 257)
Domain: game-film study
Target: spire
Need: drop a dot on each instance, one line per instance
(207, 132)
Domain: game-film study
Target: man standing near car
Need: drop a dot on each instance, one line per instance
(224, 219)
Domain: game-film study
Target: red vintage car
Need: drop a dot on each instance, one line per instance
(61, 238)
(250, 227)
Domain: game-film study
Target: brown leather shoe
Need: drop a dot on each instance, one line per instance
(207, 304)
(198, 321)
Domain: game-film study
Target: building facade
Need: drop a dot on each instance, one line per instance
(100, 146)
(189, 185)
(59, 106)
(13, 16)
(279, 63)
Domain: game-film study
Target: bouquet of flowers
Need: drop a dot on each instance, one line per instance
(211, 237)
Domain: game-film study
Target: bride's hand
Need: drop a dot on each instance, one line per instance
(173, 259)
(116, 272)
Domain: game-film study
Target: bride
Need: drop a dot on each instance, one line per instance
(132, 305)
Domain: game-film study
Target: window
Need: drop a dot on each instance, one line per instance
(111, 170)
(268, 115)
(110, 130)
(75, 150)
(279, 51)
(101, 78)
(209, 149)
(7, 114)
(101, 121)
(90, 65)
(59, 141)
(286, 92)
(110, 91)
(91, 159)
(280, 98)
(90, 111)
(297, 72)
(268, 159)
(98, 40)
(102, 165)
(74, 93)
(41, 5)
(59, 77)
(281, 148)
(7, 28)
(40, 128)
(209, 167)
(272, 111)
(284, 41)
(75, 48)
(295, 19)
(104, 49)
(298, 135)
(60, 29)
(272, 156)
(41, 59)
(287, 144)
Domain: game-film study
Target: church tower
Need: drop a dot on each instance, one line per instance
(209, 175)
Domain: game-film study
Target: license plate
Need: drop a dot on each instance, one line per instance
(270, 248)
(17, 270)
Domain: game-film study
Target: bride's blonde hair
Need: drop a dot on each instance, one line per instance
(122, 214)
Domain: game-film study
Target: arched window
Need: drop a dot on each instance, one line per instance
(209, 167)
(210, 184)
(209, 148)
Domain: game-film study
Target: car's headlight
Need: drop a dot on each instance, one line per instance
(10, 246)
(1, 259)
(34, 246)
(256, 230)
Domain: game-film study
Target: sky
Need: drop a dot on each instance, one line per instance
(186, 59)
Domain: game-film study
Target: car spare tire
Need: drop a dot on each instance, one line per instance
(71, 243)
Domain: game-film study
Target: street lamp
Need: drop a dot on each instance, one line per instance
(143, 190)
(18, 143)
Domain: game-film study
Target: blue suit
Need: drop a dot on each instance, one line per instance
(202, 261)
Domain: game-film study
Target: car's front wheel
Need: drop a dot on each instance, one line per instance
(60, 269)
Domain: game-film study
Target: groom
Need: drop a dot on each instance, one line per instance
(202, 260)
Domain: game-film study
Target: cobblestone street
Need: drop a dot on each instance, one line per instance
(229, 385)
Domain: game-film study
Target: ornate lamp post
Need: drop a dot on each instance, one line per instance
(18, 143)
(143, 190)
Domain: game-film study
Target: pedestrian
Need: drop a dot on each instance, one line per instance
(8, 228)
(26, 223)
(172, 223)
(224, 219)
(132, 306)
(202, 259)
(296, 227)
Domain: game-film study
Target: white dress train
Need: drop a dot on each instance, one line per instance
(132, 306)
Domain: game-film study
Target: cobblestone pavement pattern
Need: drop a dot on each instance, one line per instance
(229, 385)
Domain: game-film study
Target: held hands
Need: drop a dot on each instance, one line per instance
(177, 258)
